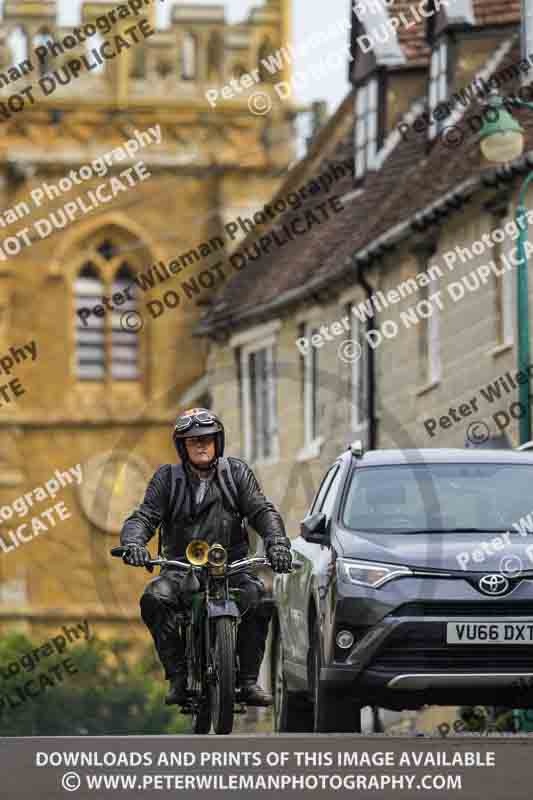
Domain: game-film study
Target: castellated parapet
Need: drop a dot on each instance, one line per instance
(198, 50)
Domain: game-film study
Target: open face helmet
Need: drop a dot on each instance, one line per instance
(198, 422)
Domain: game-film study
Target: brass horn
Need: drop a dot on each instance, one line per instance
(197, 552)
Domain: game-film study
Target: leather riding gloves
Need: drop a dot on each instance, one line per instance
(280, 557)
(137, 555)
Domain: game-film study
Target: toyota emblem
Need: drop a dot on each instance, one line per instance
(494, 584)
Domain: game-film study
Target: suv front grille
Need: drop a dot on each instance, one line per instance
(423, 648)
(481, 609)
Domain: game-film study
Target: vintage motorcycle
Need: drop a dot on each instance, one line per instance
(209, 629)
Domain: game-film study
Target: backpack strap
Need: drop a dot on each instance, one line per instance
(227, 483)
(229, 489)
(177, 495)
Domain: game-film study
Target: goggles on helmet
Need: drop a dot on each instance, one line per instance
(186, 422)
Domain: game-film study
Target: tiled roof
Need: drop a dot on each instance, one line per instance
(410, 179)
(412, 39)
(496, 12)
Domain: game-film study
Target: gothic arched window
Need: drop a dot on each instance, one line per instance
(107, 322)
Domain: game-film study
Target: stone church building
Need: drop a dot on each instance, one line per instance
(103, 266)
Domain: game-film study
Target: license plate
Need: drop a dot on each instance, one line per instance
(489, 633)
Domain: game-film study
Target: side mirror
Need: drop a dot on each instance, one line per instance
(314, 529)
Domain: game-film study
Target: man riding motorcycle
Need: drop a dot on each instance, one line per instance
(211, 505)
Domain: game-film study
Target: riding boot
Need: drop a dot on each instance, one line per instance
(163, 623)
(177, 694)
(251, 640)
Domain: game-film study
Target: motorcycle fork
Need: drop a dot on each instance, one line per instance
(194, 632)
(220, 592)
(209, 639)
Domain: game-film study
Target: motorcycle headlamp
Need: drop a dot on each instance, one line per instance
(369, 573)
(217, 556)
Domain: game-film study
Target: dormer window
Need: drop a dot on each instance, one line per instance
(366, 126)
(438, 82)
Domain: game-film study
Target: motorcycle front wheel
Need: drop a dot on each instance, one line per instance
(222, 690)
(201, 705)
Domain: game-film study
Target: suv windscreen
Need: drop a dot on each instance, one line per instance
(440, 497)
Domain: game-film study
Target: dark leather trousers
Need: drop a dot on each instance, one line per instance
(162, 602)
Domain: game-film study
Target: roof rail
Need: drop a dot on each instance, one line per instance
(356, 448)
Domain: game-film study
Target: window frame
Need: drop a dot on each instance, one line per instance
(331, 471)
(438, 81)
(366, 147)
(311, 391)
(430, 345)
(269, 345)
(335, 481)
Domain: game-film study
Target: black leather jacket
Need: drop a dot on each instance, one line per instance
(213, 520)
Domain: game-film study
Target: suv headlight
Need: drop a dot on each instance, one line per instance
(368, 573)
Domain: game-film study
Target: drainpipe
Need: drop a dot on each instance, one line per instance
(523, 312)
(370, 370)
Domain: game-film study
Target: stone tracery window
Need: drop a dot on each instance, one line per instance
(106, 318)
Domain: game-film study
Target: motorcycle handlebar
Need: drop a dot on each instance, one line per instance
(233, 568)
